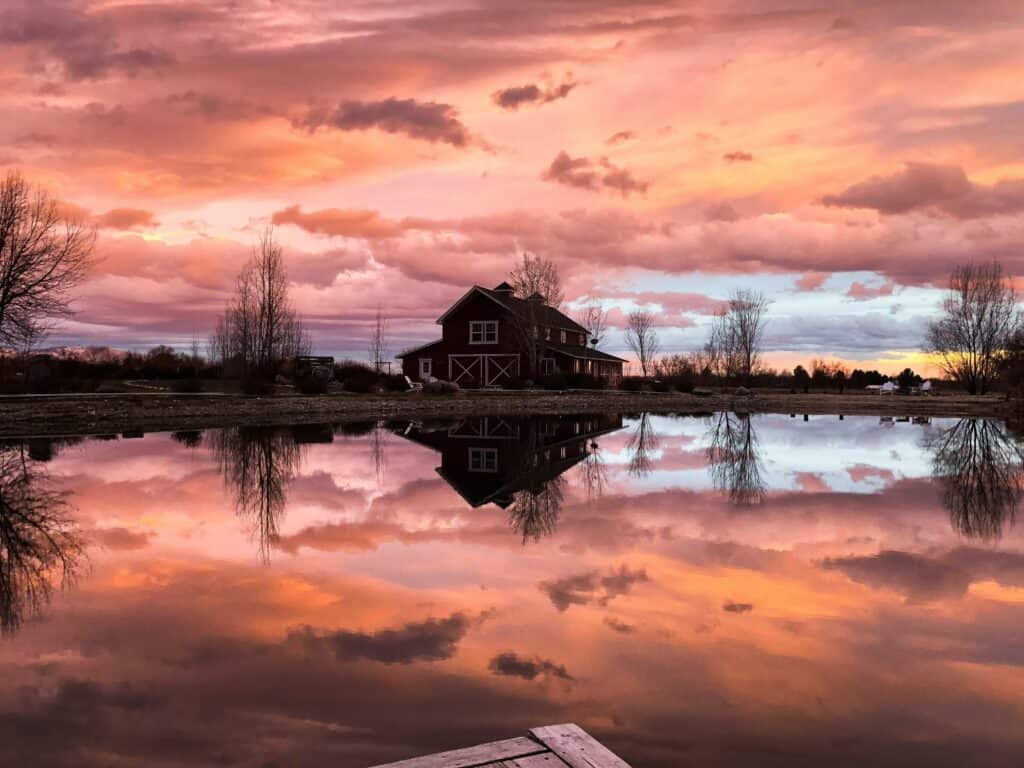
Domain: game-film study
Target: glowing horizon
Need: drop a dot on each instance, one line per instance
(841, 158)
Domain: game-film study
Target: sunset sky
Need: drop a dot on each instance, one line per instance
(839, 156)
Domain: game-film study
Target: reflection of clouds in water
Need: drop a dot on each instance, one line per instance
(366, 634)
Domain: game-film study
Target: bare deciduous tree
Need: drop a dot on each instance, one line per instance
(260, 328)
(737, 335)
(980, 316)
(536, 275)
(595, 320)
(379, 341)
(43, 257)
(642, 339)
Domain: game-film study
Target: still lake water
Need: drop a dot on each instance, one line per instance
(712, 591)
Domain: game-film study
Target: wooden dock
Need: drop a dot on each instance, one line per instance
(552, 746)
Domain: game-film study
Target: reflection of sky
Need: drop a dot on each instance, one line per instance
(823, 446)
(675, 626)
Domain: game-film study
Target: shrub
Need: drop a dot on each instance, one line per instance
(394, 382)
(311, 385)
(438, 387)
(555, 380)
(634, 384)
(362, 380)
(584, 381)
(185, 386)
(516, 382)
(257, 384)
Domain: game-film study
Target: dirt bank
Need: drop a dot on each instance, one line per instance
(107, 414)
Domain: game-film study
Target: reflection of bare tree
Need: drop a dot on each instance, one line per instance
(593, 475)
(980, 468)
(535, 509)
(377, 445)
(734, 460)
(40, 549)
(642, 443)
(258, 464)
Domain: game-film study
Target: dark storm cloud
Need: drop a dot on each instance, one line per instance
(592, 587)
(584, 173)
(511, 664)
(518, 95)
(430, 640)
(940, 188)
(427, 120)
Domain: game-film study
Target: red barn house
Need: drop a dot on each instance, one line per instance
(486, 340)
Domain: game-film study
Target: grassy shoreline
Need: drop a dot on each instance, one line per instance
(41, 416)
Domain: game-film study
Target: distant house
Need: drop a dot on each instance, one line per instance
(489, 336)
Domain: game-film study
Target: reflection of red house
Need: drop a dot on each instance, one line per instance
(487, 460)
(484, 342)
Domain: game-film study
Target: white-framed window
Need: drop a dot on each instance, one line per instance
(563, 452)
(547, 334)
(483, 331)
(563, 337)
(483, 460)
(583, 339)
(426, 367)
(547, 365)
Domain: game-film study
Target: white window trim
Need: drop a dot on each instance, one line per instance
(484, 326)
(563, 337)
(429, 366)
(483, 454)
(547, 366)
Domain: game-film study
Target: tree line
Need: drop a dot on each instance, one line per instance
(977, 339)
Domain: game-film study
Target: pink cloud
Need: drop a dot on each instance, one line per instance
(128, 218)
(862, 292)
(923, 186)
(812, 281)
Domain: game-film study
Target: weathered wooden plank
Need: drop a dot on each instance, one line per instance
(474, 757)
(543, 760)
(577, 747)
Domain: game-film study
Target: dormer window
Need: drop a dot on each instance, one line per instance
(563, 337)
(483, 332)
(547, 334)
(583, 339)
